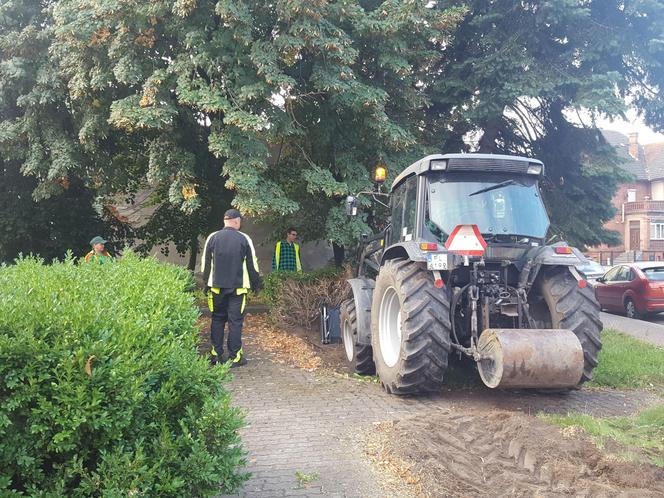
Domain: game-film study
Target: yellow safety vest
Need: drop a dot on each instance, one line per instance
(277, 255)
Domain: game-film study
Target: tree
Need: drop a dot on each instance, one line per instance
(518, 72)
(285, 106)
(44, 209)
(166, 95)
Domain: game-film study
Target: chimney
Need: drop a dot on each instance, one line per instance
(634, 145)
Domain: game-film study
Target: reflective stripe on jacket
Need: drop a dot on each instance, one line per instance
(229, 261)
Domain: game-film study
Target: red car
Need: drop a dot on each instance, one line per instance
(636, 289)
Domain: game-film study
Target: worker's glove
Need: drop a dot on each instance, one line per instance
(206, 290)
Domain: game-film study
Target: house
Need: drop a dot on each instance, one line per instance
(639, 204)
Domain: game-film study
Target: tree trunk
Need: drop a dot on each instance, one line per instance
(487, 144)
(193, 253)
(339, 254)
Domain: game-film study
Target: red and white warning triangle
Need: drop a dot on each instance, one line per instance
(466, 240)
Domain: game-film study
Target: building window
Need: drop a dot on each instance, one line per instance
(631, 195)
(657, 230)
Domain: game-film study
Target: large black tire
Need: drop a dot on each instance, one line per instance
(360, 356)
(560, 303)
(418, 359)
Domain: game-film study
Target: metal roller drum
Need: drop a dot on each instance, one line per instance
(530, 358)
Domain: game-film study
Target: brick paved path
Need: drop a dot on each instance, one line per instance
(312, 423)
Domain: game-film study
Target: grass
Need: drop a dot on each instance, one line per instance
(304, 480)
(365, 378)
(625, 362)
(643, 432)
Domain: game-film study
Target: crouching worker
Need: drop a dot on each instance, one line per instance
(230, 270)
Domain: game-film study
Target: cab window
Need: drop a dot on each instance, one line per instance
(404, 211)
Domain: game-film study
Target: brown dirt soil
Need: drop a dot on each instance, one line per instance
(501, 453)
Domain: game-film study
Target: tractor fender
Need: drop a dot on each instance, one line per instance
(362, 295)
(409, 250)
(546, 256)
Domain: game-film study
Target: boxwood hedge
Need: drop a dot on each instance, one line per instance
(101, 390)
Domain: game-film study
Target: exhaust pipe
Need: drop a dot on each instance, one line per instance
(530, 358)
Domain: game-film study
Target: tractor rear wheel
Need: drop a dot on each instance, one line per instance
(360, 356)
(410, 328)
(558, 302)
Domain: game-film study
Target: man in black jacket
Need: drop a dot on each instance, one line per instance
(230, 269)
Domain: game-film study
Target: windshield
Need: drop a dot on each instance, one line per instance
(654, 274)
(503, 205)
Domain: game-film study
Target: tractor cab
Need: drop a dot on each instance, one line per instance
(498, 194)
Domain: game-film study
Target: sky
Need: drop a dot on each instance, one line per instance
(633, 124)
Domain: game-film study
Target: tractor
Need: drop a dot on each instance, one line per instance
(463, 267)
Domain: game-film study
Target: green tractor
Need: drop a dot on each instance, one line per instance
(463, 267)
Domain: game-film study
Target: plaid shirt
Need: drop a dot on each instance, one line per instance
(287, 258)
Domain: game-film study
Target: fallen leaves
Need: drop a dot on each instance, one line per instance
(88, 365)
(286, 348)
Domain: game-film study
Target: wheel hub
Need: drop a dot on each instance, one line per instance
(631, 309)
(389, 327)
(349, 341)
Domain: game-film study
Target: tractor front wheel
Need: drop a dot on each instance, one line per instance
(360, 356)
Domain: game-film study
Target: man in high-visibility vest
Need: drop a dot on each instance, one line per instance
(287, 253)
(230, 269)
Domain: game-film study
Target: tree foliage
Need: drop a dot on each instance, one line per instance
(49, 226)
(285, 106)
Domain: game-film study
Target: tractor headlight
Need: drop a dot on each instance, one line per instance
(438, 164)
(534, 169)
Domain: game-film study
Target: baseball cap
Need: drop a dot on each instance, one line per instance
(98, 240)
(231, 214)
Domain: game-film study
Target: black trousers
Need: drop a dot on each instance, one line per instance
(227, 307)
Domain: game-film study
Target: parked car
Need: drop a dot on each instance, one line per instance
(636, 289)
(592, 270)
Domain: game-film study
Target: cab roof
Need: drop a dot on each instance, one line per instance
(487, 163)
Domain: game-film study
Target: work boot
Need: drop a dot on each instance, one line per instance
(217, 360)
(242, 361)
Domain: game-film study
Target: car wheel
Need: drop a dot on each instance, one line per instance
(630, 309)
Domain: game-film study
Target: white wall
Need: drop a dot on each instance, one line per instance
(314, 254)
(657, 190)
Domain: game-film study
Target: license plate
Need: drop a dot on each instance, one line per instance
(436, 261)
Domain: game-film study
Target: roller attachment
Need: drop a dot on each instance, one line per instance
(530, 358)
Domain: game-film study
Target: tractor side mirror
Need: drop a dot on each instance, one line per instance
(351, 205)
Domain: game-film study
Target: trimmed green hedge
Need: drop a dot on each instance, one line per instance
(101, 390)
